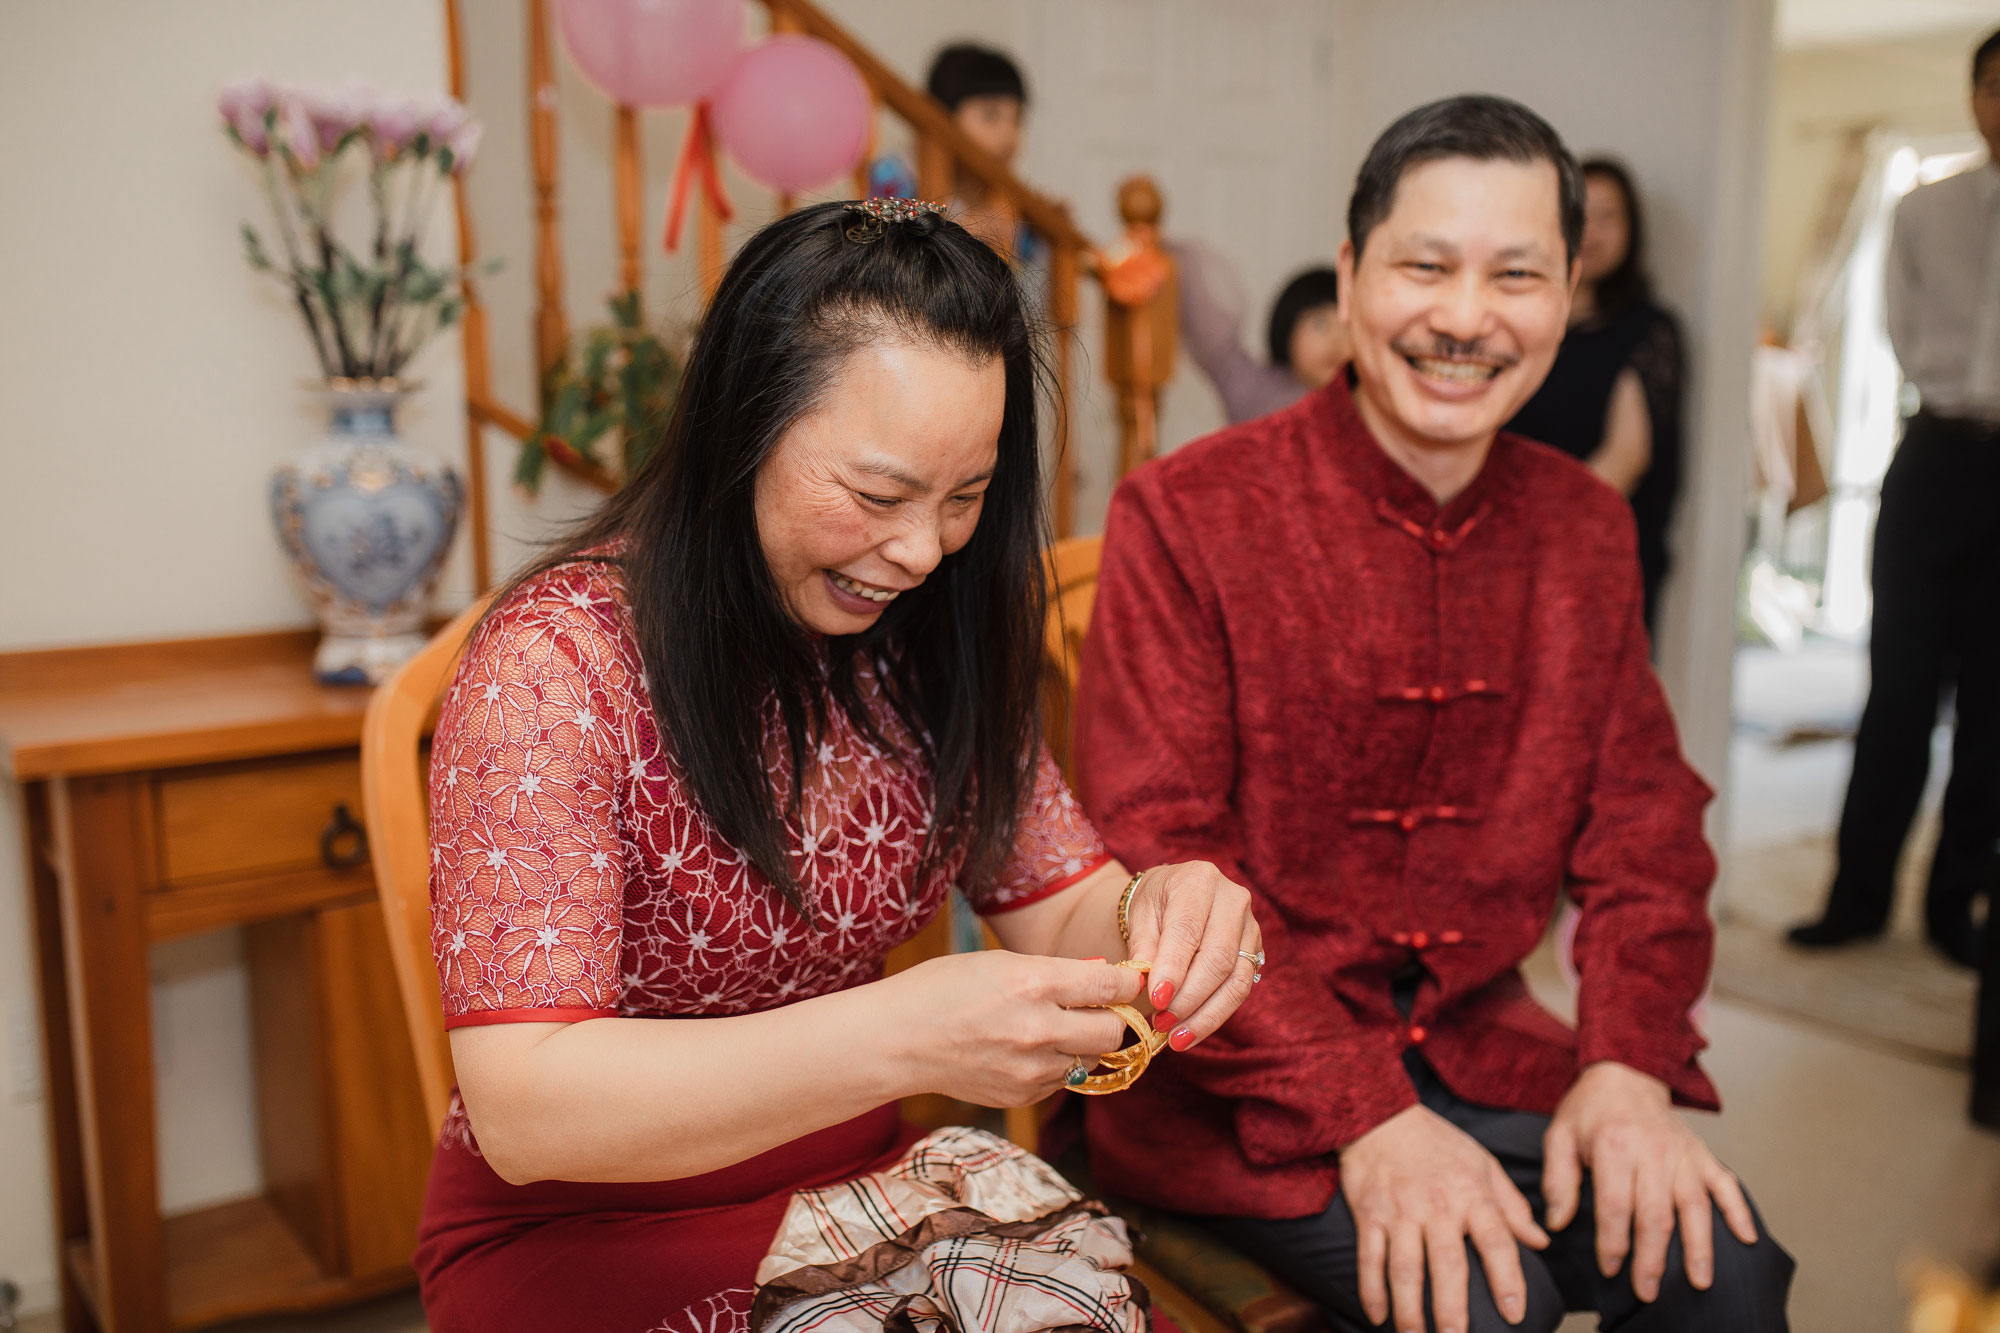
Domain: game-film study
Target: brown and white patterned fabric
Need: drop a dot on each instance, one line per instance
(964, 1232)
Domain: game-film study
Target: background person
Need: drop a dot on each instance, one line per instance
(1306, 344)
(1616, 394)
(707, 763)
(1936, 569)
(986, 96)
(1385, 665)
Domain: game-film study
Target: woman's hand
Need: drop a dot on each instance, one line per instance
(1002, 1029)
(1196, 928)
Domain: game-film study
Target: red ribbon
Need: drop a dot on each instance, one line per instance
(697, 159)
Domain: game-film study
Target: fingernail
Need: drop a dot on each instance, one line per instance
(1701, 1276)
(1163, 994)
(1181, 1039)
(1098, 959)
(1512, 1308)
(1163, 1020)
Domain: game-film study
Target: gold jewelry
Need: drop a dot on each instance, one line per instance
(1125, 908)
(1126, 1063)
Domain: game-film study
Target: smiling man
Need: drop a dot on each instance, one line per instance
(1386, 666)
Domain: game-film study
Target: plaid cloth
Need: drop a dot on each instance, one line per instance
(964, 1234)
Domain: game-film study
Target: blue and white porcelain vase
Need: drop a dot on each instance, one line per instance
(367, 518)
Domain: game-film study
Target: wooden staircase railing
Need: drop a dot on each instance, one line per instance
(1134, 274)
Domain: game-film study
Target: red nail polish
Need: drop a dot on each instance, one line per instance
(1098, 959)
(1162, 1021)
(1181, 1039)
(1163, 994)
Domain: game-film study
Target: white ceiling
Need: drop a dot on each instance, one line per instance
(1832, 22)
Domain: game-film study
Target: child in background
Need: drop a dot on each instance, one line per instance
(1305, 340)
(983, 90)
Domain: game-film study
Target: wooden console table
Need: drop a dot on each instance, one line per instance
(175, 788)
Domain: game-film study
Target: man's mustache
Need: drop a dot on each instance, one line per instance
(1444, 347)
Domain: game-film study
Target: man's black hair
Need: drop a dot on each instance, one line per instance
(1987, 50)
(1306, 291)
(966, 69)
(1477, 126)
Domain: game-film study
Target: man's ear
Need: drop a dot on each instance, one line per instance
(1343, 267)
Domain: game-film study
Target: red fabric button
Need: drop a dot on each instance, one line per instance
(1410, 821)
(1414, 692)
(1475, 687)
(1440, 539)
(1451, 937)
(1400, 937)
(1447, 812)
(1421, 940)
(1417, 1035)
(1437, 694)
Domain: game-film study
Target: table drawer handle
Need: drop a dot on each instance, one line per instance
(343, 843)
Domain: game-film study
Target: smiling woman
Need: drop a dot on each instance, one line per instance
(707, 763)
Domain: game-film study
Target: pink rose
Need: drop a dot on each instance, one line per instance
(394, 122)
(336, 112)
(296, 133)
(243, 104)
(464, 146)
(443, 118)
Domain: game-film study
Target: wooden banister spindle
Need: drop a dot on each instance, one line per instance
(868, 154)
(708, 247)
(784, 20)
(1141, 308)
(1064, 268)
(472, 329)
(631, 183)
(935, 172)
(551, 328)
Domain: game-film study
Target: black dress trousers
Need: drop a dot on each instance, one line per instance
(1936, 575)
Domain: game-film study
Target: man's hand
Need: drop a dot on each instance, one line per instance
(1417, 1183)
(1646, 1166)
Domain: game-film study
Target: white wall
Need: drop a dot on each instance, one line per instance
(1678, 91)
(152, 382)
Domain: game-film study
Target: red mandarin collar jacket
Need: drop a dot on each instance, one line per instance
(1404, 728)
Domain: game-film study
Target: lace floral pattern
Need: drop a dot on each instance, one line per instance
(574, 875)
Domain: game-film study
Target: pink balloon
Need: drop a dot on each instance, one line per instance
(653, 52)
(793, 113)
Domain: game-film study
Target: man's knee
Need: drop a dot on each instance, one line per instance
(1545, 1301)
(1747, 1294)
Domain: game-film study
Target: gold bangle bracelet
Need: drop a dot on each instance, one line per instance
(1125, 908)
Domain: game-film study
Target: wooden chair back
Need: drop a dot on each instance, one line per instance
(1072, 574)
(396, 808)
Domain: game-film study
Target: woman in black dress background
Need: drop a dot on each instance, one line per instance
(1614, 395)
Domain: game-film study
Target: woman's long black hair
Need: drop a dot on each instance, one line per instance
(1627, 285)
(958, 654)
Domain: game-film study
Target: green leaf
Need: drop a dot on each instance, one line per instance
(530, 463)
(253, 250)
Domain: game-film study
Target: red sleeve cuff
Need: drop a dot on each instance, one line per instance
(1663, 1051)
(1050, 889)
(483, 1017)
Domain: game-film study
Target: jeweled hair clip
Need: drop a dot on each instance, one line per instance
(884, 209)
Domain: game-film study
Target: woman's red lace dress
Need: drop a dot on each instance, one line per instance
(573, 876)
